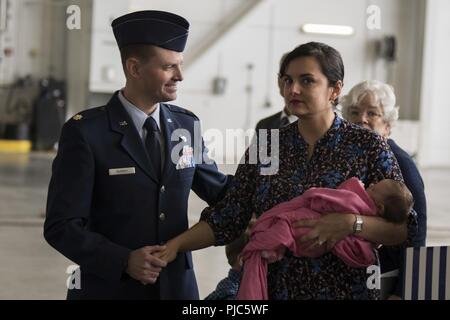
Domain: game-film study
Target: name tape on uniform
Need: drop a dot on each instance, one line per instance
(119, 171)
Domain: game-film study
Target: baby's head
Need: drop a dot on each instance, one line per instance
(233, 251)
(392, 198)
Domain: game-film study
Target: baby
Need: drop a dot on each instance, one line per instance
(392, 199)
(228, 287)
(273, 232)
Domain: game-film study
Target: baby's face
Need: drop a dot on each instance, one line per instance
(379, 191)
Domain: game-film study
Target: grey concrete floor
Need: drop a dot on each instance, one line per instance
(31, 269)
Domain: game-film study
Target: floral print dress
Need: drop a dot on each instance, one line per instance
(345, 151)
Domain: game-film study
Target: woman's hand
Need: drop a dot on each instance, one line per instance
(199, 236)
(170, 252)
(329, 229)
(274, 255)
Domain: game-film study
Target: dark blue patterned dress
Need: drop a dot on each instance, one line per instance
(227, 288)
(345, 151)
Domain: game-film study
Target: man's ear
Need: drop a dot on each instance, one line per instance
(133, 67)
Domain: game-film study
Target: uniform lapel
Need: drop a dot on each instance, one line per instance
(169, 124)
(121, 122)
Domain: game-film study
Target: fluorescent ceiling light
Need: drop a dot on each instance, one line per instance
(327, 29)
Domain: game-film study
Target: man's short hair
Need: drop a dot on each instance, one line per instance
(143, 52)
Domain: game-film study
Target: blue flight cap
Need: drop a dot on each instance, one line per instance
(158, 28)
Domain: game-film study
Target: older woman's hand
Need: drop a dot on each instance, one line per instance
(329, 229)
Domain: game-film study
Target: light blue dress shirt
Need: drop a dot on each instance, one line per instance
(139, 117)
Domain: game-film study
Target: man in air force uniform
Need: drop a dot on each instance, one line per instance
(116, 195)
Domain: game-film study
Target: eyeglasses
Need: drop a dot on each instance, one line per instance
(356, 114)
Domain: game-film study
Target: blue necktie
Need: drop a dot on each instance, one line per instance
(152, 144)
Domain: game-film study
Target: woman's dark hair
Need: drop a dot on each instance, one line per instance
(329, 59)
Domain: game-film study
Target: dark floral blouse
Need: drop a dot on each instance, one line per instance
(345, 151)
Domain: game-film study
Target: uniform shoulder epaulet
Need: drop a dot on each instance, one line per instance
(177, 109)
(88, 114)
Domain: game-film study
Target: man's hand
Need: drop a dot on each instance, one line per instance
(143, 264)
(329, 229)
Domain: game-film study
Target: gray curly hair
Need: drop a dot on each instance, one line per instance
(383, 94)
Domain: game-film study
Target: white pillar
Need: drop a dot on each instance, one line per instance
(434, 145)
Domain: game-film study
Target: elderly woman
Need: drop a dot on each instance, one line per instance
(323, 151)
(371, 104)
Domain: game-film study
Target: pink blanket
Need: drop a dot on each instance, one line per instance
(273, 231)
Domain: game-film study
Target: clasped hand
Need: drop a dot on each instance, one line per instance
(144, 264)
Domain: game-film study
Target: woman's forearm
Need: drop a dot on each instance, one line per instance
(378, 230)
(199, 236)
